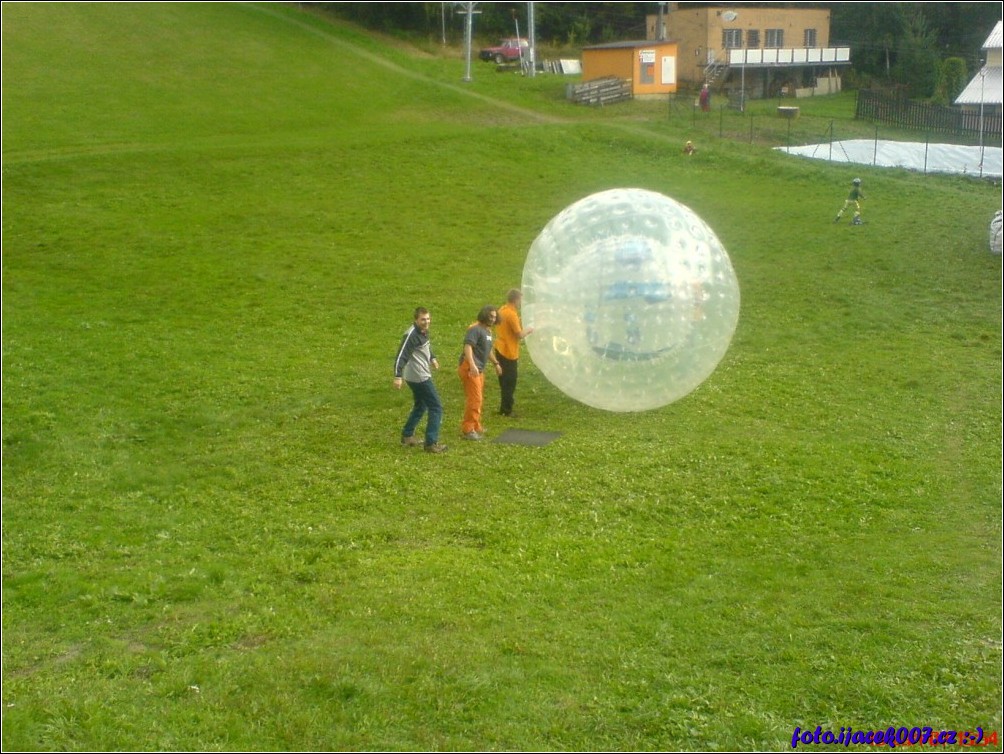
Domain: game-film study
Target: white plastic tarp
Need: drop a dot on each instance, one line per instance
(930, 158)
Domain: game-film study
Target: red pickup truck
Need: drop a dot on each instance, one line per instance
(506, 51)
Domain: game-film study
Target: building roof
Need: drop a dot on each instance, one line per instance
(994, 41)
(984, 88)
(630, 45)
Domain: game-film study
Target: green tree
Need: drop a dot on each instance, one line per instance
(961, 28)
(952, 78)
(871, 31)
(386, 17)
(917, 60)
(880, 33)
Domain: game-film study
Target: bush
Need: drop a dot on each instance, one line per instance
(952, 78)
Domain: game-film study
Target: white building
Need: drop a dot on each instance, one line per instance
(986, 86)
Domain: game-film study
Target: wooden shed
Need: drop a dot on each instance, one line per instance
(650, 65)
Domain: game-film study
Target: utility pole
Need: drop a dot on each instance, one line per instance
(518, 40)
(468, 11)
(532, 39)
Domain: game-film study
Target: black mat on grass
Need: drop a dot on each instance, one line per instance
(526, 437)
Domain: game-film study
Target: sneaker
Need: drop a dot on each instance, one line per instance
(411, 441)
(836, 219)
(435, 448)
(474, 436)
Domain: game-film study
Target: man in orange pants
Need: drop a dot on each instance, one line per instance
(476, 354)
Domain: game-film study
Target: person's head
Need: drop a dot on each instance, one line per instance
(422, 318)
(856, 181)
(514, 296)
(487, 315)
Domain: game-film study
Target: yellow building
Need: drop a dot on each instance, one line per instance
(754, 52)
(650, 65)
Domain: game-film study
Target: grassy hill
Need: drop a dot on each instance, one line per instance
(217, 220)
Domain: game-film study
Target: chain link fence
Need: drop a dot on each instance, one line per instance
(780, 123)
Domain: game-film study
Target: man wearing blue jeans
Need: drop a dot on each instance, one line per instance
(414, 364)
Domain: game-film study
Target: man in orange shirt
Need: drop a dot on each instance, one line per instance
(509, 333)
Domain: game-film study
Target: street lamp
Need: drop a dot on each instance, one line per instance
(983, 81)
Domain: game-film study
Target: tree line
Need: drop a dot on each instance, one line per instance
(926, 50)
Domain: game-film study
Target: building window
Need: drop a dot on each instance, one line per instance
(775, 38)
(732, 38)
(753, 39)
(810, 38)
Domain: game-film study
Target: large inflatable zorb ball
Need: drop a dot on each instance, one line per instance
(632, 298)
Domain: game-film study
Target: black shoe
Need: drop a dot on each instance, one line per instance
(435, 448)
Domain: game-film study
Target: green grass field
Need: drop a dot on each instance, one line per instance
(217, 220)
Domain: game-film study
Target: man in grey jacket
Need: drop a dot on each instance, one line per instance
(414, 364)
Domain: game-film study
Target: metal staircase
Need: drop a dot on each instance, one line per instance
(714, 69)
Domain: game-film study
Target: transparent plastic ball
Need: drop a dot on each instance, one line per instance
(632, 298)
